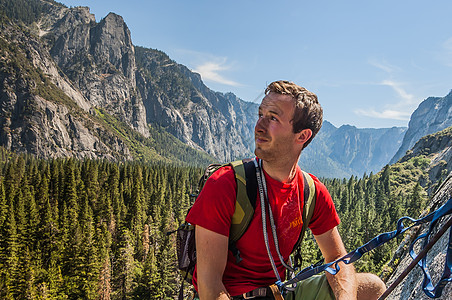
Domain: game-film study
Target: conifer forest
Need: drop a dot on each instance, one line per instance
(94, 229)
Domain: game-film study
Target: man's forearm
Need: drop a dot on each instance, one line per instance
(343, 283)
(212, 250)
(209, 290)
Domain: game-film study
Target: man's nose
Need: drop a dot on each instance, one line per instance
(261, 124)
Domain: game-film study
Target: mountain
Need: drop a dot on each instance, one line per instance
(93, 66)
(141, 86)
(347, 150)
(44, 113)
(72, 86)
(433, 115)
(177, 99)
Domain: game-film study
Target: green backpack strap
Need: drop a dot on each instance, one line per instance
(246, 194)
(309, 201)
(309, 198)
(245, 176)
(244, 211)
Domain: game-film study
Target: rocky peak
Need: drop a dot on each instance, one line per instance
(438, 148)
(99, 58)
(64, 19)
(40, 110)
(111, 41)
(433, 114)
(176, 99)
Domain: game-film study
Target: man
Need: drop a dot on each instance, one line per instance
(289, 118)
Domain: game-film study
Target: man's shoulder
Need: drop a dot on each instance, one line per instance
(225, 172)
(319, 186)
(223, 179)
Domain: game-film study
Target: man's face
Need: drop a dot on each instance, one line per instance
(273, 132)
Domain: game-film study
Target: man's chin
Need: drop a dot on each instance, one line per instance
(259, 153)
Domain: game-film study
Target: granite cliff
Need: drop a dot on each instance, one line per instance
(437, 148)
(44, 112)
(177, 99)
(101, 61)
(433, 114)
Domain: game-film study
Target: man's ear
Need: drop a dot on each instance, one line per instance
(304, 136)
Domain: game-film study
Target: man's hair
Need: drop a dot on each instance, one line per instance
(308, 112)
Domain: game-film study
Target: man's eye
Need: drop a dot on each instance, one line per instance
(274, 119)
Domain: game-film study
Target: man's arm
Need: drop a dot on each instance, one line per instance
(211, 257)
(343, 283)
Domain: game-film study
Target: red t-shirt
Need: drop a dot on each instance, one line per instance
(213, 210)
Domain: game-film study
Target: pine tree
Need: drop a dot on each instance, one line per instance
(138, 211)
(123, 266)
(112, 189)
(103, 246)
(10, 258)
(26, 279)
(3, 206)
(88, 261)
(54, 279)
(415, 201)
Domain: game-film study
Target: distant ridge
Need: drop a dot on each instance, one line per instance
(347, 150)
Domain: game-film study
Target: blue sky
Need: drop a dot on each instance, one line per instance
(370, 62)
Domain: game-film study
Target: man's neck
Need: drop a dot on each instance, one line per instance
(280, 172)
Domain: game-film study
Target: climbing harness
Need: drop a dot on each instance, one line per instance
(351, 257)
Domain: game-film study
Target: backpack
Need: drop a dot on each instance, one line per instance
(245, 177)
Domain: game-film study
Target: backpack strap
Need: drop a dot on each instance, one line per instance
(246, 194)
(309, 198)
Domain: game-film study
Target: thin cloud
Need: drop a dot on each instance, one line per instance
(210, 71)
(208, 65)
(400, 110)
(386, 114)
(397, 87)
(383, 65)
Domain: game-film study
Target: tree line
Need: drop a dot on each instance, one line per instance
(73, 229)
(94, 229)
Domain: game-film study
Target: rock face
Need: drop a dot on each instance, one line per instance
(411, 287)
(347, 150)
(41, 112)
(177, 99)
(433, 115)
(438, 149)
(99, 59)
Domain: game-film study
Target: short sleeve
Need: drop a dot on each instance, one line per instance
(325, 216)
(215, 205)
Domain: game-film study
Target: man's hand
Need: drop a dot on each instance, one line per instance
(211, 257)
(343, 283)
